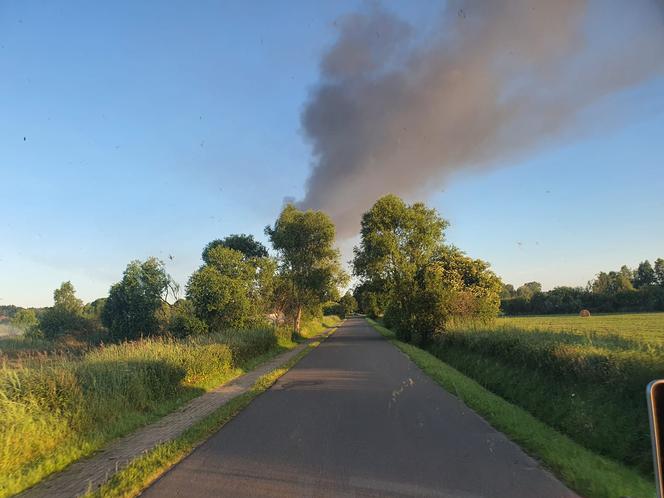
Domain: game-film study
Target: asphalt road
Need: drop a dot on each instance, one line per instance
(356, 417)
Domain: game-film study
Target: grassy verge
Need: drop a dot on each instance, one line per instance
(56, 408)
(314, 327)
(584, 471)
(141, 472)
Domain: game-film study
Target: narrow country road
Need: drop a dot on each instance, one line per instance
(356, 417)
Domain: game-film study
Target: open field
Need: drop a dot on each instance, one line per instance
(583, 376)
(56, 408)
(643, 327)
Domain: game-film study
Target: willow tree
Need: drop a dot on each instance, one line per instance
(309, 265)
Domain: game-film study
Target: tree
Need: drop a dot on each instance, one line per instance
(309, 266)
(507, 291)
(65, 298)
(402, 257)
(659, 271)
(220, 290)
(645, 275)
(626, 273)
(453, 286)
(234, 288)
(396, 239)
(65, 317)
(133, 305)
(528, 290)
(620, 281)
(94, 309)
(601, 284)
(26, 321)
(348, 304)
(246, 244)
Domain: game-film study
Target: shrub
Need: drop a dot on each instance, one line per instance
(184, 322)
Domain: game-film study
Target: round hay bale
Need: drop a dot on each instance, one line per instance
(584, 313)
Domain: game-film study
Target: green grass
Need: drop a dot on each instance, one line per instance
(314, 327)
(586, 472)
(645, 328)
(141, 472)
(56, 408)
(587, 383)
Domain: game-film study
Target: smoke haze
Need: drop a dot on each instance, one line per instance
(393, 112)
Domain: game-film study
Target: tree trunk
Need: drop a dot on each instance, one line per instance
(298, 319)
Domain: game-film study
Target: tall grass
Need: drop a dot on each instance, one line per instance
(589, 385)
(16, 344)
(56, 408)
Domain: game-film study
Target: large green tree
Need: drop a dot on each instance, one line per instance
(507, 291)
(220, 290)
(612, 282)
(246, 244)
(309, 266)
(644, 275)
(659, 271)
(402, 261)
(134, 304)
(65, 317)
(397, 239)
(528, 290)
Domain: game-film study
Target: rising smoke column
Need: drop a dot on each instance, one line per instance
(394, 113)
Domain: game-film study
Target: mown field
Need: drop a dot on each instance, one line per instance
(646, 328)
(58, 406)
(585, 377)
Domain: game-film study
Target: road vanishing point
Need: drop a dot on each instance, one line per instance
(356, 417)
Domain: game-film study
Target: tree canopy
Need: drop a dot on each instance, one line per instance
(408, 272)
(65, 317)
(131, 310)
(246, 244)
(309, 266)
(226, 291)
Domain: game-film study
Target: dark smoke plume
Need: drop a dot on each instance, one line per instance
(395, 113)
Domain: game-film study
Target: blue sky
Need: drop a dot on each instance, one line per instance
(130, 129)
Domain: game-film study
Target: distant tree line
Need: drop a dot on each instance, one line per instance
(239, 285)
(412, 279)
(7, 311)
(614, 291)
